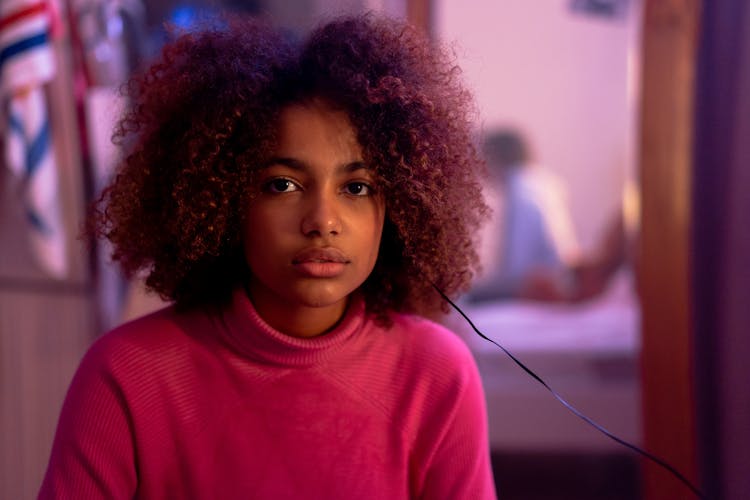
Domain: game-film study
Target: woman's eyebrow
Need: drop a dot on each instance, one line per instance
(301, 166)
(292, 163)
(354, 166)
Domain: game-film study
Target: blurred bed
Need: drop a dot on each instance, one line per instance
(587, 352)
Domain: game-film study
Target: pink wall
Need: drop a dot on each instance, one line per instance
(562, 78)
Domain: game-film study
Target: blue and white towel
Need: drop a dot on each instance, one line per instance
(26, 64)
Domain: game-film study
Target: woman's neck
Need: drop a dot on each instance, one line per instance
(297, 320)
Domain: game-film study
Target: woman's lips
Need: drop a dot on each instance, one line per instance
(325, 262)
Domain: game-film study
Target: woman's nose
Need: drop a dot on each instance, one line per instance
(322, 216)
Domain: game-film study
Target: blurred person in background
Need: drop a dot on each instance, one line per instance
(530, 250)
(531, 234)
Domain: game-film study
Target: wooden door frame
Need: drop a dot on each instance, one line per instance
(669, 58)
(419, 13)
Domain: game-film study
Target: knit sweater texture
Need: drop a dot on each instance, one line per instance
(220, 405)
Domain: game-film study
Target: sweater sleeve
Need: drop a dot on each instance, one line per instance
(460, 466)
(93, 452)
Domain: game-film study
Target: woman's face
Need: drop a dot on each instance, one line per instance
(313, 231)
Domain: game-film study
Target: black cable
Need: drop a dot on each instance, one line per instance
(574, 410)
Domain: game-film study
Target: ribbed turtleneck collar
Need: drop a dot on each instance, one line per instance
(251, 336)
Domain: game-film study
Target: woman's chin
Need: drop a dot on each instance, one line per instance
(320, 297)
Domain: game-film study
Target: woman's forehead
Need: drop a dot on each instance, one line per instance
(315, 127)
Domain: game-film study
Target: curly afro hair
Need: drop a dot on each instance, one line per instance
(201, 125)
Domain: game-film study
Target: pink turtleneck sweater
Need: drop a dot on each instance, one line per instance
(200, 405)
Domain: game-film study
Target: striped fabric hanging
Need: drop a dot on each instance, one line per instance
(26, 64)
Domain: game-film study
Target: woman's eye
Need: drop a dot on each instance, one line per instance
(280, 186)
(358, 189)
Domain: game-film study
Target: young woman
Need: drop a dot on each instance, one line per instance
(297, 203)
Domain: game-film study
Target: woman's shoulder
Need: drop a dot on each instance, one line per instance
(433, 376)
(421, 329)
(148, 340)
(432, 344)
